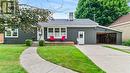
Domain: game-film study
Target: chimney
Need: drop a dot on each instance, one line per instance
(71, 16)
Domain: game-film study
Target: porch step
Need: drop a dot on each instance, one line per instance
(35, 44)
(60, 43)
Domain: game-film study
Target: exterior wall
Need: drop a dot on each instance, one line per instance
(90, 34)
(1, 37)
(125, 31)
(72, 34)
(22, 36)
(118, 34)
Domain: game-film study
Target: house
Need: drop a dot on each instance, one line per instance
(82, 31)
(123, 24)
(7, 8)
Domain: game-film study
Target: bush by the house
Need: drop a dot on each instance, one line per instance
(126, 43)
(41, 43)
(28, 42)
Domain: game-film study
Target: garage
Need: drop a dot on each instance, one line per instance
(106, 38)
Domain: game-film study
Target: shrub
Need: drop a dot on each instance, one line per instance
(126, 43)
(28, 42)
(41, 43)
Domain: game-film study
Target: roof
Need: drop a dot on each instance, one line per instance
(122, 20)
(68, 23)
(74, 23)
(109, 28)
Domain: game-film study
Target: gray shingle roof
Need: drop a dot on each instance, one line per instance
(68, 23)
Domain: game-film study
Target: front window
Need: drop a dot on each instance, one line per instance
(14, 32)
(11, 32)
(57, 32)
(63, 31)
(50, 32)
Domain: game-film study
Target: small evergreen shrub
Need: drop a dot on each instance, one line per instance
(126, 43)
(41, 43)
(28, 42)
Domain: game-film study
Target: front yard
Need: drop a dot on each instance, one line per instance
(9, 58)
(69, 57)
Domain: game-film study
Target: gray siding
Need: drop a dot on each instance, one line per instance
(22, 36)
(72, 34)
(119, 38)
(90, 34)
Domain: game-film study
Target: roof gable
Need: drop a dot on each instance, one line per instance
(121, 20)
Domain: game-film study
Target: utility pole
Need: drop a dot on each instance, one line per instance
(94, 17)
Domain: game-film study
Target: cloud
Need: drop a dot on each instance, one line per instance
(55, 5)
(60, 16)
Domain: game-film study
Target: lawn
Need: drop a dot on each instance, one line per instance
(9, 58)
(118, 49)
(69, 57)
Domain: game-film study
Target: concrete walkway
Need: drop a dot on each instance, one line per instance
(33, 63)
(109, 60)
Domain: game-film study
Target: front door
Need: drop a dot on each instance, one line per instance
(81, 37)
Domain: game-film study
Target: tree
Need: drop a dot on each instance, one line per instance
(105, 11)
(23, 18)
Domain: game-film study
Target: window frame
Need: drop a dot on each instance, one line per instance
(59, 37)
(12, 32)
(6, 5)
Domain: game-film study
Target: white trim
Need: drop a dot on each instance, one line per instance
(42, 38)
(38, 33)
(11, 34)
(54, 32)
(79, 39)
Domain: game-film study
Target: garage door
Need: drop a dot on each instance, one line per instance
(106, 38)
(1, 38)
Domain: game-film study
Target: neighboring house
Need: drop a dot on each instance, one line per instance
(123, 24)
(7, 7)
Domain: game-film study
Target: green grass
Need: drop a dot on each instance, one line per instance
(69, 57)
(118, 49)
(9, 58)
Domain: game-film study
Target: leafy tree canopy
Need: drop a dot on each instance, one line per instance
(105, 11)
(24, 19)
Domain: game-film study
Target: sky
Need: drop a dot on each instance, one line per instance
(61, 8)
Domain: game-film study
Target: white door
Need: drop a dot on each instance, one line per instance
(81, 37)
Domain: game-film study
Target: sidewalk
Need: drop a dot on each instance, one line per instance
(33, 63)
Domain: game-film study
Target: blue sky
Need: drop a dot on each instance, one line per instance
(61, 8)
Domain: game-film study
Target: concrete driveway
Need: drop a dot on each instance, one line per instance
(109, 60)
